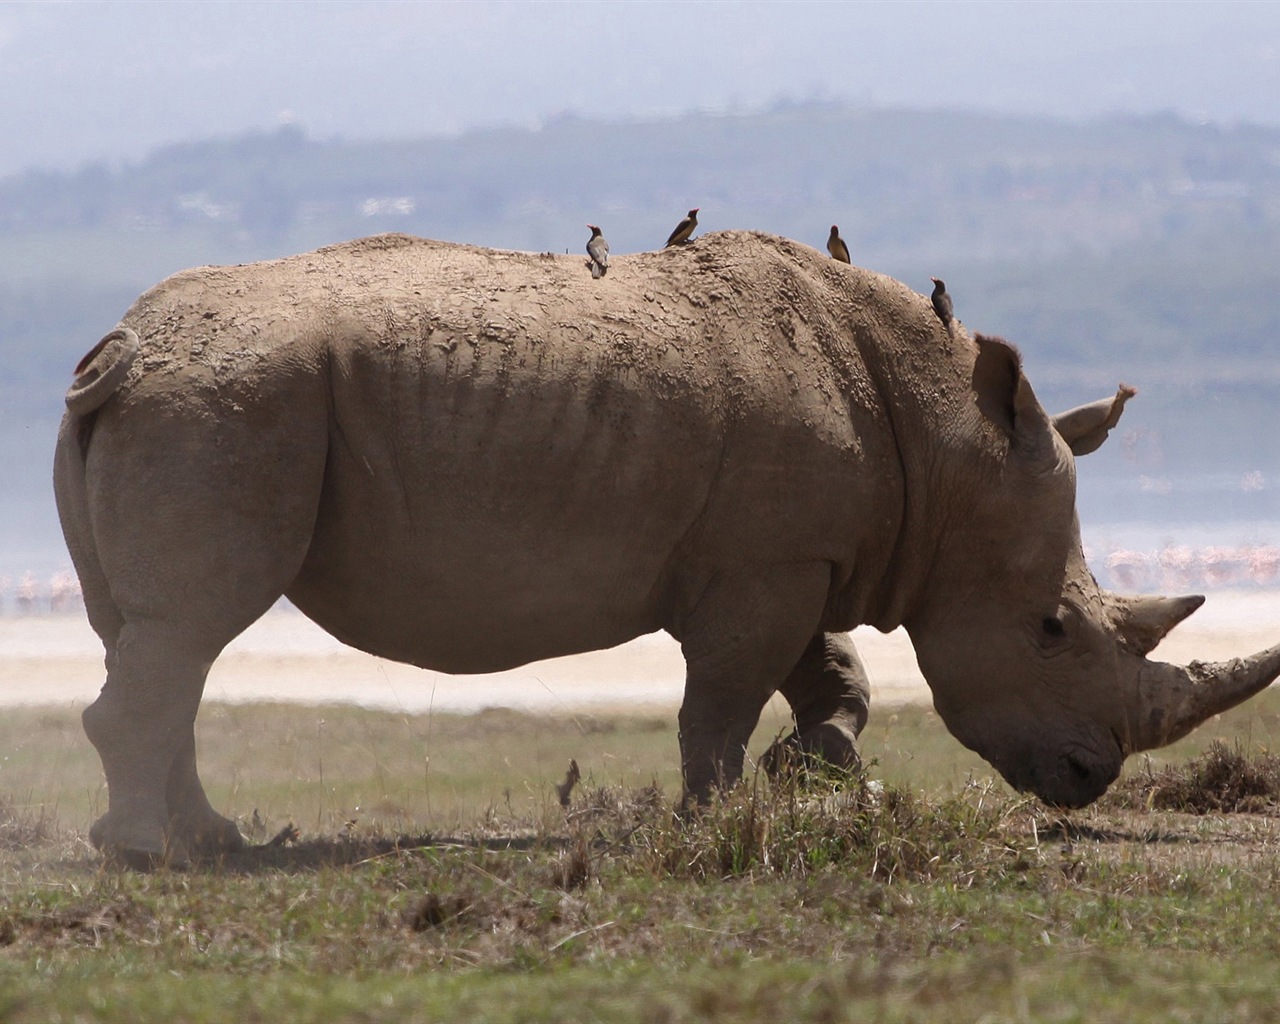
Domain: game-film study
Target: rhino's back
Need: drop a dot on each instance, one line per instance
(507, 433)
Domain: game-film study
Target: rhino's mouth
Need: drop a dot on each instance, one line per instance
(1070, 778)
(1088, 781)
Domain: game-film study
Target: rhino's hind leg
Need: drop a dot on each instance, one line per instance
(142, 725)
(187, 520)
(742, 638)
(829, 695)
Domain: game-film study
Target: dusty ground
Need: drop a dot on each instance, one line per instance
(57, 659)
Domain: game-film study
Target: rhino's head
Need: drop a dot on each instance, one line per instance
(1031, 664)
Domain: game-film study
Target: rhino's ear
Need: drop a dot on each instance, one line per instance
(1085, 427)
(1006, 399)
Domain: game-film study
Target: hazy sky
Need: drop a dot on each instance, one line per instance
(113, 80)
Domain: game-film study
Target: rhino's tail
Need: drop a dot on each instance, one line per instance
(71, 494)
(97, 377)
(102, 370)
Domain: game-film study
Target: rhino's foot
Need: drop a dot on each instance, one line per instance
(830, 744)
(205, 838)
(129, 842)
(140, 847)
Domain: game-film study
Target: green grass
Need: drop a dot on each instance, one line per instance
(437, 878)
(322, 766)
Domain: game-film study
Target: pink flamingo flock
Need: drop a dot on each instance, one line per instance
(1177, 568)
(29, 594)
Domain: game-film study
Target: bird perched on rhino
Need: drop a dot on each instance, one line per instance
(835, 245)
(684, 229)
(941, 301)
(598, 250)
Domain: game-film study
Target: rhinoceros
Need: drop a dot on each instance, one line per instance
(468, 459)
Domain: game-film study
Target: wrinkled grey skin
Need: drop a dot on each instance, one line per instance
(467, 460)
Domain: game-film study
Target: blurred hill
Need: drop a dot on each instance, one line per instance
(1144, 250)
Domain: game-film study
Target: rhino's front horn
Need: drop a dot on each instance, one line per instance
(1173, 700)
(1143, 621)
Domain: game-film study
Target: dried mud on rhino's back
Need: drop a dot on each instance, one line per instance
(219, 322)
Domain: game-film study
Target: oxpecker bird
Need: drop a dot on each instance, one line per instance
(598, 250)
(941, 301)
(837, 248)
(684, 229)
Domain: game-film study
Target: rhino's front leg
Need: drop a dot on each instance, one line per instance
(142, 725)
(195, 829)
(829, 695)
(745, 634)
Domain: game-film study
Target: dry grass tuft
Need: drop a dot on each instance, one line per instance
(22, 828)
(575, 865)
(1222, 779)
(431, 911)
(799, 824)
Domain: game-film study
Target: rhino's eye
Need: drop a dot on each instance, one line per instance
(1056, 630)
